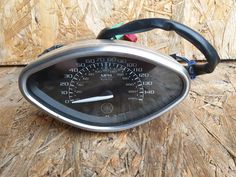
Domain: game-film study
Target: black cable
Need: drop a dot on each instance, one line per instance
(192, 36)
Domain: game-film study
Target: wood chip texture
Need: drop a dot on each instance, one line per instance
(195, 139)
(27, 27)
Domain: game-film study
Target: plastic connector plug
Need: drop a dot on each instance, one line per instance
(130, 37)
(191, 70)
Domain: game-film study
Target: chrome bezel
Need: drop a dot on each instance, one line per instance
(102, 48)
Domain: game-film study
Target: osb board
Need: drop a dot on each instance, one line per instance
(195, 139)
(29, 26)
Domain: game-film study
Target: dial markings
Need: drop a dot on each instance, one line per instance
(108, 71)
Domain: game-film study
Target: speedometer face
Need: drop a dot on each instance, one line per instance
(107, 91)
(110, 85)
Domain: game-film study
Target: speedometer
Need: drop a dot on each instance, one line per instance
(109, 91)
(108, 85)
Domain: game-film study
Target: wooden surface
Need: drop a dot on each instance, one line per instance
(196, 139)
(27, 27)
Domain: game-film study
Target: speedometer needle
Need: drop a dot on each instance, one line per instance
(94, 99)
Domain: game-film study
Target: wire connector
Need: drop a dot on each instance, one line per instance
(130, 37)
(190, 63)
(191, 70)
(126, 37)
